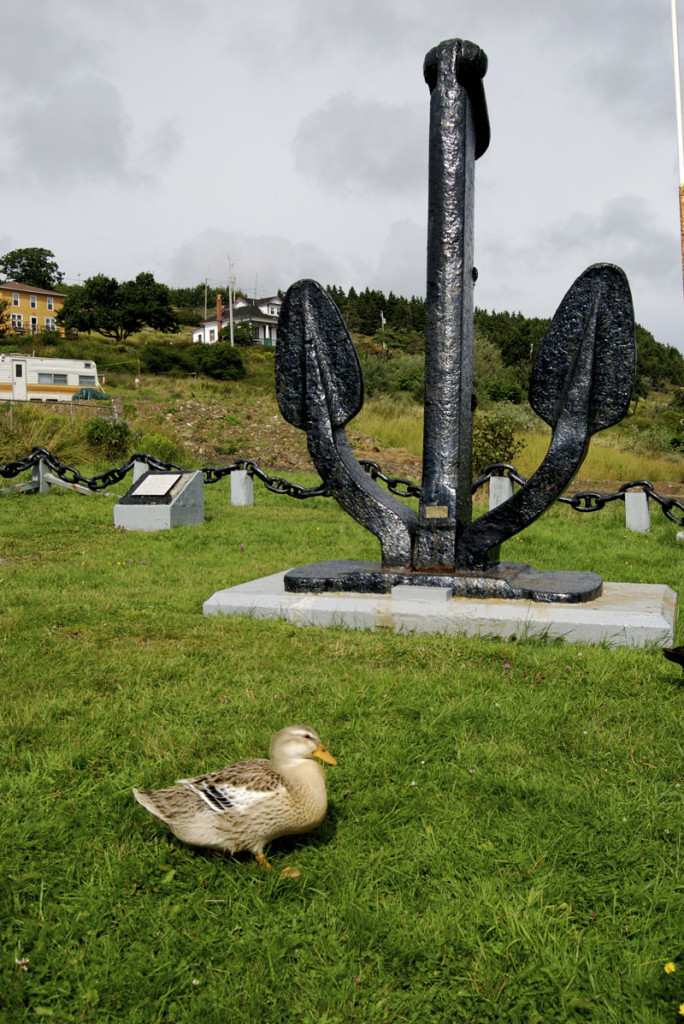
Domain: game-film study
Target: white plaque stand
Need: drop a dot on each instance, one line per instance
(160, 501)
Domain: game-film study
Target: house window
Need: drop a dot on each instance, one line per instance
(212, 335)
(15, 298)
(34, 325)
(50, 323)
(34, 302)
(50, 302)
(17, 321)
(85, 381)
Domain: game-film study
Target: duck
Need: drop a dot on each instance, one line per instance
(246, 805)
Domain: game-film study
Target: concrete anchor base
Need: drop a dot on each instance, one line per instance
(626, 614)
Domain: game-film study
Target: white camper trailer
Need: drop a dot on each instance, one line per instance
(44, 379)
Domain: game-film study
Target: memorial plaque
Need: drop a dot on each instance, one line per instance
(160, 501)
(156, 484)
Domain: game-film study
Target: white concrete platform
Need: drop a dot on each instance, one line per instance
(626, 614)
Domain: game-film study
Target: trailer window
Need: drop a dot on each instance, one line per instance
(85, 381)
(52, 378)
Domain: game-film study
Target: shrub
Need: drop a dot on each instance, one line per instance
(677, 402)
(494, 440)
(393, 375)
(163, 358)
(506, 391)
(112, 438)
(49, 338)
(219, 361)
(163, 448)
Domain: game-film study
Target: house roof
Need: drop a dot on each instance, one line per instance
(269, 300)
(14, 286)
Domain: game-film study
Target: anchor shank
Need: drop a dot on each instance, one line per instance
(459, 132)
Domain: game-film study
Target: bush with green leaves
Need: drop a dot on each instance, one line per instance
(494, 440)
(506, 391)
(111, 438)
(162, 447)
(219, 361)
(393, 375)
(243, 334)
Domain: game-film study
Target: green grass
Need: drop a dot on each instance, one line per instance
(504, 838)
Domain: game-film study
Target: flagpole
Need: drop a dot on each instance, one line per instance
(678, 107)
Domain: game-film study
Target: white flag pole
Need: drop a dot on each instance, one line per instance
(678, 107)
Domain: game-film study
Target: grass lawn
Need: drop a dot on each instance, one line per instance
(504, 838)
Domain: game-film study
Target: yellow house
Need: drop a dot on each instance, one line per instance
(31, 310)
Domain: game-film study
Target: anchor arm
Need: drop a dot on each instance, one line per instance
(320, 388)
(581, 383)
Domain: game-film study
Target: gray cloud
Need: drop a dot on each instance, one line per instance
(353, 145)
(236, 115)
(624, 232)
(78, 132)
(260, 263)
(401, 265)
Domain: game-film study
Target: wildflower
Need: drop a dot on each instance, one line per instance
(681, 1009)
(22, 962)
(669, 967)
(506, 665)
(195, 981)
(242, 547)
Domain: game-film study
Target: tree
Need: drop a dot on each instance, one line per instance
(243, 334)
(117, 310)
(4, 317)
(36, 267)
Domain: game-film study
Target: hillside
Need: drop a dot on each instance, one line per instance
(198, 421)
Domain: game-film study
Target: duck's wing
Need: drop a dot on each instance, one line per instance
(238, 787)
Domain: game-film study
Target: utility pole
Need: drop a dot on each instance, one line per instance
(231, 298)
(678, 108)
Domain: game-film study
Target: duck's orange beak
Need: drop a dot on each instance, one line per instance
(324, 755)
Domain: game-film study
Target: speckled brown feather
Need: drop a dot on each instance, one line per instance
(247, 804)
(257, 773)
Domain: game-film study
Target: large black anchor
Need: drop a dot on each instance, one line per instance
(581, 383)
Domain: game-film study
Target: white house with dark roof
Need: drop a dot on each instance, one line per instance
(259, 314)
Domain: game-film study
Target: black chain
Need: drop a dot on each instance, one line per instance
(402, 488)
(498, 469)
(583, 501)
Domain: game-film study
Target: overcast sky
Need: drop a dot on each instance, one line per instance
(291, 135)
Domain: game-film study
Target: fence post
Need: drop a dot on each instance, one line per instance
(500, 490)
(241, 487)
(38, 477)
(637, 517)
